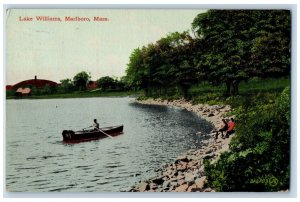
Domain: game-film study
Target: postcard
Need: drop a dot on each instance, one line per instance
(148, 100)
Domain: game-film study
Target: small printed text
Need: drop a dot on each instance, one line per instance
(64, 19)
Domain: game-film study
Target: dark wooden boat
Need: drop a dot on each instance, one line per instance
(86, 135)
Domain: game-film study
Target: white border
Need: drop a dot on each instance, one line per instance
(164, 4)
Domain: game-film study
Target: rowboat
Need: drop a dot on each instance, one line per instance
(94, 134)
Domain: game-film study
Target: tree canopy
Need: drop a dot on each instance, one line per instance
(241, 44)
(81, 79)
(229, 46)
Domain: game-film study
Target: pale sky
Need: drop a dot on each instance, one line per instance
(59, 50)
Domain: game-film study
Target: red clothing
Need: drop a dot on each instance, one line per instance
(231, 126)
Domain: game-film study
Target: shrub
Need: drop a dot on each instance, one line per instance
(260, 153)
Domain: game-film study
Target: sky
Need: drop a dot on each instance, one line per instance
(57, 50)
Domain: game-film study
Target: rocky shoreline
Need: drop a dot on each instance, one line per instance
(186, 173)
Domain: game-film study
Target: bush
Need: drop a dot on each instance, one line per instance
(259, 155)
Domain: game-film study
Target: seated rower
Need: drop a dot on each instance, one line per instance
(95, 124)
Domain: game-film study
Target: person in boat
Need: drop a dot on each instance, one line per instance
(230, 129)
(96, 124)
(224, 128)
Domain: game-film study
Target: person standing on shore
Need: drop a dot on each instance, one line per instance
(223, 128)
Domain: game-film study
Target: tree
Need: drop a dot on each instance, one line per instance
(168, 63)
(241, 44)
(227, 41)
(66, 85)
(271, 49)
(177, 67)
(81, 79)
(106, 83)
(124, 83)
(49, 89)
(137, 73)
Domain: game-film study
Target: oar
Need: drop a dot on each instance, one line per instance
(104, 133)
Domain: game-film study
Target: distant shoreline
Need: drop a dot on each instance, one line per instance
(76, 95)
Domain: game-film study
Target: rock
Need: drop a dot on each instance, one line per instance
(182, 188)
(189, 178)
(168, 172)
(144, 186)
(208, 190)
(181, 167)
(192, 188)
(208, 151)
(206, 110)
(181, 182)
(158, 180)
(181, 176)
(173, 179)
(191, 164)
(171, 189)
(166, 184)
(200, 182)
(182, 159)
(174, 184)
(165, 178)
(153, 186)
(220, 107)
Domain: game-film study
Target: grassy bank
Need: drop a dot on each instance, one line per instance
(79, 94)
(250, 93)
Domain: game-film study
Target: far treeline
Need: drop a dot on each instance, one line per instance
(82, 79)
(236, 57)
(79, 84)
(226, 48)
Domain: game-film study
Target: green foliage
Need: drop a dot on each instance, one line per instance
(167, 64)
(66, 86)
(253, 92)
(108, 83)
(49, 89)
(245, 43)
(270, 52)
(81, 79)
(259, 155)
(283, 104)
(229, 47)
(35, 91)
(10, 93)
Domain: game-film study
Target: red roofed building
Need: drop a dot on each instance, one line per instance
(38, 83)
(8, 87)
(92, 85)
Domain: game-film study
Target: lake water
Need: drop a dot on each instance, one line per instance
(38, 161)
